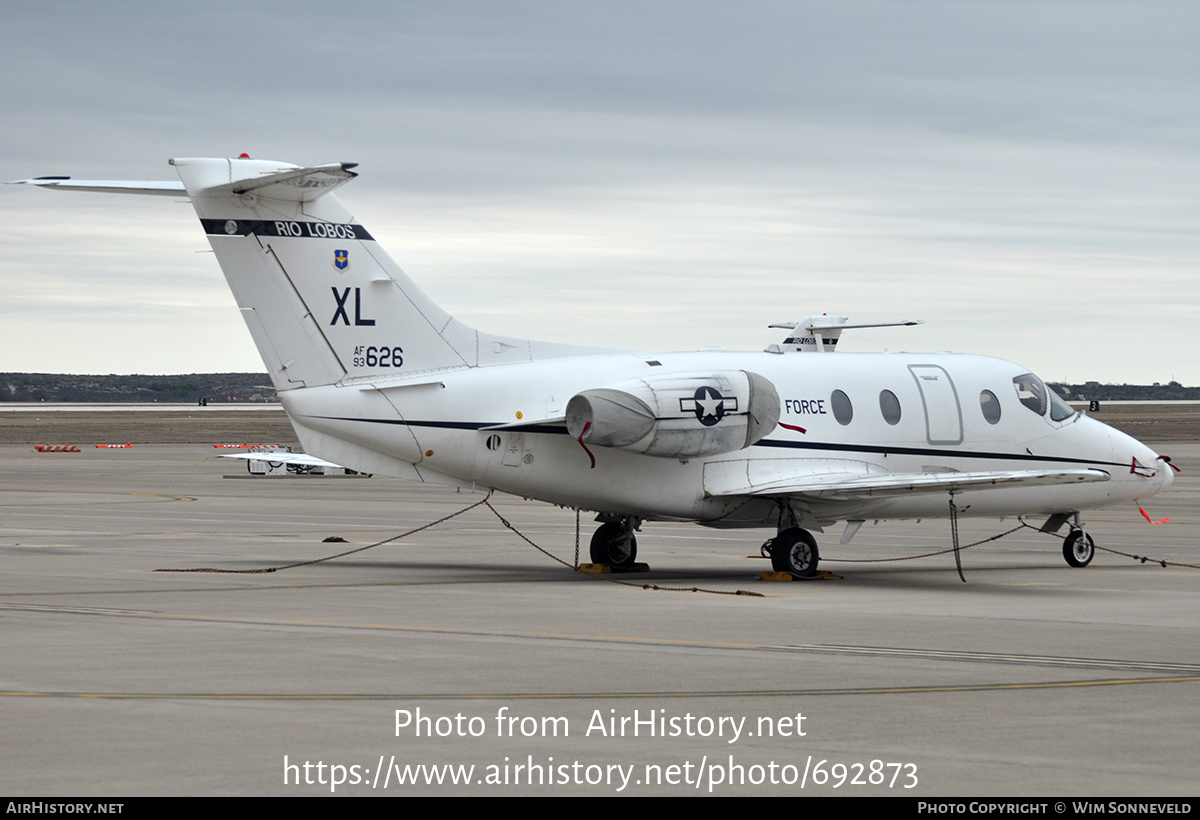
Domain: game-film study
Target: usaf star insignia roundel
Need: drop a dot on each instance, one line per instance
(709, 405)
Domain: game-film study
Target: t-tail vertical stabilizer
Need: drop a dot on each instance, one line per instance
(323, 301)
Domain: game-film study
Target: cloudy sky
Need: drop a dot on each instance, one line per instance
(1025, 177)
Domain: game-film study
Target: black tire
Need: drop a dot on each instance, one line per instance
(610, 547)
(794, 551)
(1078, 548)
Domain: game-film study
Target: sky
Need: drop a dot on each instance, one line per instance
(1024, 177)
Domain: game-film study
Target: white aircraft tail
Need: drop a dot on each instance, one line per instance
(323, 301)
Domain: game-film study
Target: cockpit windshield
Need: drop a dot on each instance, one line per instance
(1059, 409)
(1034, 394)
(1031, 392)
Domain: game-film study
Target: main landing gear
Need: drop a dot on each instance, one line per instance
(614, 544)
(793, 551)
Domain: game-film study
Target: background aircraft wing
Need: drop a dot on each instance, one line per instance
(848, 480)
(300, 459)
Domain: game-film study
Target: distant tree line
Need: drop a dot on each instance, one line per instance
(192, 388)
(221, 388)
(1094, 391)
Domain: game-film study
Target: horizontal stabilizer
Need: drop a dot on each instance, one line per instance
(293, 185)
(108, 186)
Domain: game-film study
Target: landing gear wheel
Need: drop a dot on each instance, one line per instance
(765, 549)
(1078, 548)
(614, 546)
(795, 551)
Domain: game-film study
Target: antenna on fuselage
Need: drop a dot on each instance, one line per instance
(819, 334)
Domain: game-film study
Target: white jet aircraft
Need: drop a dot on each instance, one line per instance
(377, 377)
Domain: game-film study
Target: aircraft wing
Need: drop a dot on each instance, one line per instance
(849, 480)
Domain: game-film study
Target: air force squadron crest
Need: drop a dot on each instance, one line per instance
(341, 259)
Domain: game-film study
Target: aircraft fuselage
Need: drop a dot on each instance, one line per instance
(438, 426)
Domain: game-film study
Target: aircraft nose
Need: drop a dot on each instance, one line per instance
(1166, 476)
(1149, 472)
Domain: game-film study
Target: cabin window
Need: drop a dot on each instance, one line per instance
(1031, 392)
(1059, 409)
(990, 406)
(889, 405)
(843, 411)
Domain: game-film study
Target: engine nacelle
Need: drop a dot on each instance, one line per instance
(677, 416)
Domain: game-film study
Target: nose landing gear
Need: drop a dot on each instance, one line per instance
(1078, 548)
